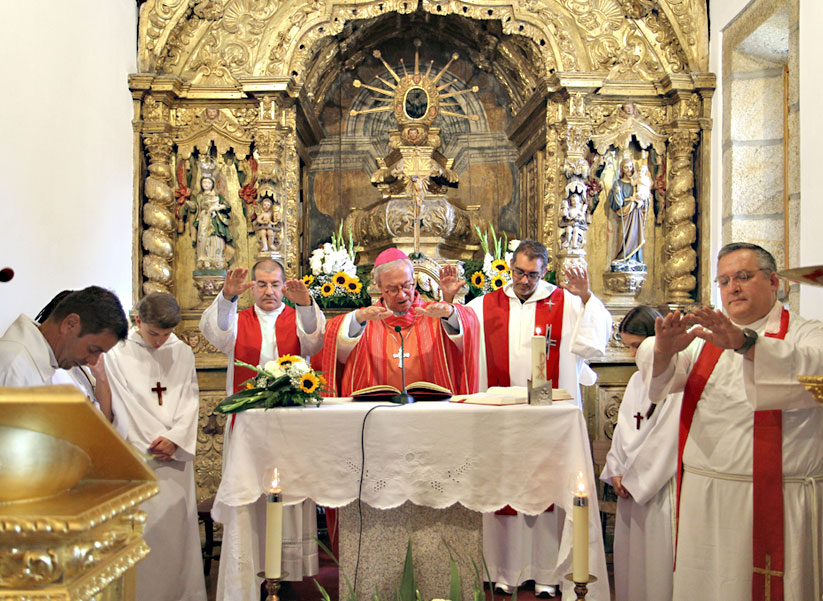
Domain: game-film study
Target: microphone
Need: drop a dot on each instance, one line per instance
(403, 398)
(6, 274)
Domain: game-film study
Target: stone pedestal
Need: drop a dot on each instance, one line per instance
(383, 535)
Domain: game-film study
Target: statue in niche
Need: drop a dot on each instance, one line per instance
(630, 208)
(264, 225)
(212, 223)
(574, 222)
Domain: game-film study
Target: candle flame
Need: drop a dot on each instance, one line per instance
(275, 481)
(580, 486)
(538, 332)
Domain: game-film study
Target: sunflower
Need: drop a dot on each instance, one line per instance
(500, 266)
(308, 279)
(309, 382)
(249, 385)
(327, 289)
(322, 380)
(498, 281)
(478, 279)
(354, 286)
(341, 278)
(286, 360)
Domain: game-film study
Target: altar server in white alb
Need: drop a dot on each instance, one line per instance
(640, 466)
(751, 485)
(262, 333)
(517, 547)
(154, 393)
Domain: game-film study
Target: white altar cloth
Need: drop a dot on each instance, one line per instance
(433, 454)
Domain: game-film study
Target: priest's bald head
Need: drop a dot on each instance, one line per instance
(84, 324)
(268, 278)
(394, 277)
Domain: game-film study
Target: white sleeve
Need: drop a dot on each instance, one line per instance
(311, 327)
(592, 329)
(183, 432)
(219, 323)
(673, 379)
(348, 336)
(771, 379)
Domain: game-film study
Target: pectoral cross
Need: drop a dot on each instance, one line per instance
(159, 390)
(767, 575)
(639, 417)
(550, 342)
(399, 360)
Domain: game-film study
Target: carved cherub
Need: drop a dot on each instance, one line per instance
(264, 225)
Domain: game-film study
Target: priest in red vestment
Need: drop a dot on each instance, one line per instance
(362, 348)
(263, 332)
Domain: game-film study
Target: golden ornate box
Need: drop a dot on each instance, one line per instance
(70, 486)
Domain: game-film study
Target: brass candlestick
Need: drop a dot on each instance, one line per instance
(581, 589)
(272, 585)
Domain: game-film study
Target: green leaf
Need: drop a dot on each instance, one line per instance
(455, 586)
(350, 596)
(407, 584)
(323, 592)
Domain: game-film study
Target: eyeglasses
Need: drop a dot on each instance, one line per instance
(519, 274)
(741, 277)
(395, 290)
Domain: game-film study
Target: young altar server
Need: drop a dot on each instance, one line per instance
(517, 547)
(154, 391)
(640, 466)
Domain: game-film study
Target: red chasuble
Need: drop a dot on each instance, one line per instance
(439, 359)
(767, 473)
(549, 312)
(250, 339)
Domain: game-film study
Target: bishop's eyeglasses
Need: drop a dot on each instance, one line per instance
(741, 277)
(395, 290)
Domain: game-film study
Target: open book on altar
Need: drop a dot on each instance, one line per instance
(506, 395)
(421, 391)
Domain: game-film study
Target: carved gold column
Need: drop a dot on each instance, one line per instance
(681, 232)
(575, 135)
(276, 142)
(158, 217)
(552, 168)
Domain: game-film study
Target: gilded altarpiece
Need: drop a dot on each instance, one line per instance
(245, 144)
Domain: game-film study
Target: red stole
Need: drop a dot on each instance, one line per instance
(767, 473)
(250, 339)
(548, 312)
(368, 363)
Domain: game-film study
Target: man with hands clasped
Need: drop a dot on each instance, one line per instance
(750, 462)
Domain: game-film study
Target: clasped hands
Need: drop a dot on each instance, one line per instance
(674, 332)
(162, 449)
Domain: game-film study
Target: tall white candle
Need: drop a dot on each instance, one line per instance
(538, 360)
(580, 516)
(274, 527)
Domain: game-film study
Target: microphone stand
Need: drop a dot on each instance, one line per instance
(403, 398)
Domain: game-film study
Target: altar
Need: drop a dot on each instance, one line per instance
(433, 455)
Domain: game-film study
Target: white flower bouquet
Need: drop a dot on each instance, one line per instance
(285, 382)
(333, 281)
